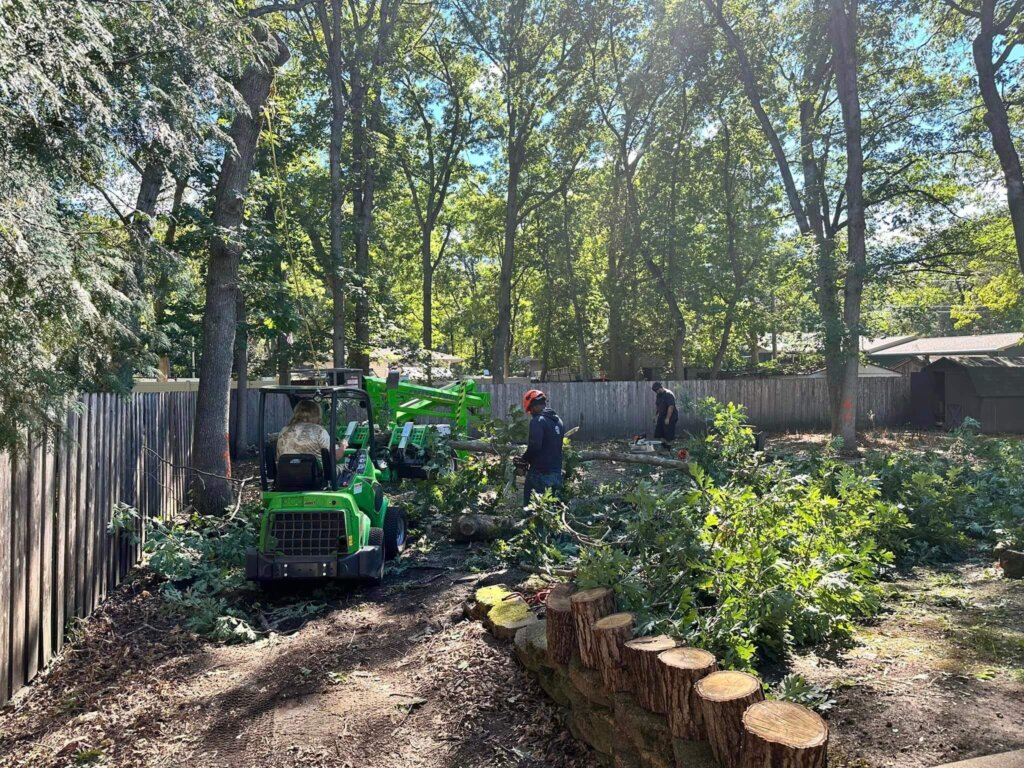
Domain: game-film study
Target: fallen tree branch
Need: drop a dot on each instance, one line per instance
(504, 449)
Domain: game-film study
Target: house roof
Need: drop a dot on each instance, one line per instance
(867, 370)
(871, 346)
(991, 376)
(984, 344)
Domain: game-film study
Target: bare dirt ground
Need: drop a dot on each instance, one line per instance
(393, 676)
(389, 676)
(938, 678)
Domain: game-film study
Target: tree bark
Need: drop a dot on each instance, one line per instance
(163, 283)
(724, 697)
(211, 485)
(682, 668)
(560, 626)
(427, 259)
(610, 635)
(780, 734)
(239, 442)
(141, 230)
(503, 331)
(997, 119)
(587, 607)
(579, 311)
(330, 24)
(844, 33)
(645, 676)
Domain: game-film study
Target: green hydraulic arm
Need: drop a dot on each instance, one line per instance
(401, 402)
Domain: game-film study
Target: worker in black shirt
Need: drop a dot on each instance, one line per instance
(665, 413)
(543, 457)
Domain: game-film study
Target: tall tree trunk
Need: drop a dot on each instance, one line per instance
(578, 308)
(239, 440)
(998, 122)
(163, 283)
(723, 343)
(364, 179)
(844, 32)
(503, 332)
(330, 24)
(211, 485)
(145, 204)
(284, 360)
(141, 230)
(427, 259)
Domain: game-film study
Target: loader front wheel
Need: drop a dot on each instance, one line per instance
(395, 532)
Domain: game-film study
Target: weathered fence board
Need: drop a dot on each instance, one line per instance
(618, 409)
(58, 557)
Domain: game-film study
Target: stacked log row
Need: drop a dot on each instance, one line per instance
(587, 659)
(561, 630)
(780, 734)
(587, 607)
(646, 679)
(610, 635)
(724, 697)
(681, 669)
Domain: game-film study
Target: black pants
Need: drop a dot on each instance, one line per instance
(666, 432)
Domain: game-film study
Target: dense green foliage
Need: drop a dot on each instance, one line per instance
(751, 557)
(628, 205)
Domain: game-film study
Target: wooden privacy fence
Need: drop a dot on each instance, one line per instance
(58, 558)
(615, 409)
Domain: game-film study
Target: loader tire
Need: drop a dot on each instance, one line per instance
(395, 532)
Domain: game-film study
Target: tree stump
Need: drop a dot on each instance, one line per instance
(724, 697)
(610, 634)
(645, 677)
(780, 734)
(561, 631)
(682, 668)
(587, 607)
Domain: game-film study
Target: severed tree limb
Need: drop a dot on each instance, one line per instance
(504, 449)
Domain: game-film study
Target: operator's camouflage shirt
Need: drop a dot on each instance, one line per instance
(303, 438)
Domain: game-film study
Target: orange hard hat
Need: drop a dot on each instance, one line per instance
(530, 397)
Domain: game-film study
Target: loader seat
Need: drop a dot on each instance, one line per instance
(301, 472)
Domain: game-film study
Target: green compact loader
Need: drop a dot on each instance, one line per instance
(327, 519)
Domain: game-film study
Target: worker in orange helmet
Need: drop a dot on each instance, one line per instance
(543, 456)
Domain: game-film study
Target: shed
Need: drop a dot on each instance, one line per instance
(986, 388)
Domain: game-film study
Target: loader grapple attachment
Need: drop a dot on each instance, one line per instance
(298, 534)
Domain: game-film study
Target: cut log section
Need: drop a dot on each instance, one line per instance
(587, 607)
(724, 697)
(682, 668)
(780, 734)
(561, 631)
(610, 634)
(470, 527)
(645, 676)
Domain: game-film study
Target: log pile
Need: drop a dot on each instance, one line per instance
(643, 702)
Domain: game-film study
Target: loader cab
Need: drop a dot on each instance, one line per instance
(347, 413)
